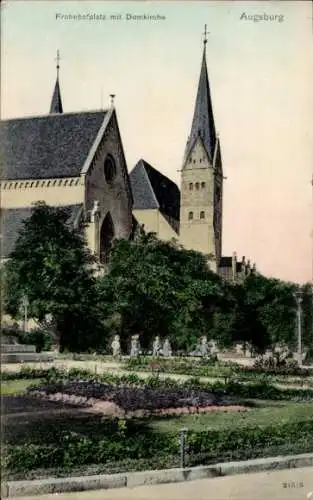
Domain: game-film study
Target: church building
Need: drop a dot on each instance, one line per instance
(76, 161)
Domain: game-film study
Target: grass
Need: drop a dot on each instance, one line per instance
(16, 387)
(263, 414)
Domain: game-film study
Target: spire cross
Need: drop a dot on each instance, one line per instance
(58, 62)
(205, 34)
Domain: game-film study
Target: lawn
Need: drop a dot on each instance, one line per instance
(76, 441)
(16, 387)
(263, 414)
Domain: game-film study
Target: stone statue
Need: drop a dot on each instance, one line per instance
(203, 347)
(116, 346)
(167, 349)
(213, 347)
(135, 346)
(156, 347)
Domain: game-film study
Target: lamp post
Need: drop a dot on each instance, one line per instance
(25, 304)
(183, 432)
(298, 297)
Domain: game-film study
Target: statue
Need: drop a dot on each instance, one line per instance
(203, 347)
(156, 347)
(167, 349)
(116, 346)
(135, 346)
(213, 347)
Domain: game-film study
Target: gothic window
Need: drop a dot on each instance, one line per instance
(202, 185)
(202, 215)
(109, 169)
(191, 186)
(106, 238)
(197, 185)
(190, 216)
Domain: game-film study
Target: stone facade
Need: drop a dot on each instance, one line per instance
(106, 203)
(198, 210)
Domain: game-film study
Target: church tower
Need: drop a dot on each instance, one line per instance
(201, 207)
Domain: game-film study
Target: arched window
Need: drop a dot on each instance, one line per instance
(190, 216)
(202, 185)
(197, 185)
(202, 215)
(109, 169)
(106, 237)
(191, 186)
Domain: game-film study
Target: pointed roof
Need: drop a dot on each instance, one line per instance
(153, 190)
(56, 101)
(203, 119)
(34, 148)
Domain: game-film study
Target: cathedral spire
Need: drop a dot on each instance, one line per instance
(203, 119)
(56, 102)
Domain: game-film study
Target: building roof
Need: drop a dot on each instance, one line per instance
(49, 146)
(56, 101)
(12, 223)
(153, 190)
(203, 119)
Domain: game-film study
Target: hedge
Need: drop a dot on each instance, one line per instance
(72, 449)
(208, 367)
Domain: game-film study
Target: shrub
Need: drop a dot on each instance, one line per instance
(70, 449)
(38, 337)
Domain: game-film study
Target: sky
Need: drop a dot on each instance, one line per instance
(260, 64)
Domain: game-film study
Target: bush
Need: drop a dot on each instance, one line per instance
(39, 338)
(111, 444)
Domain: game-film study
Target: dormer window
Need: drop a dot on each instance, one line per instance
(109, 169)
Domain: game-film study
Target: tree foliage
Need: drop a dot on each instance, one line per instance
(150, 288)
(51, 266)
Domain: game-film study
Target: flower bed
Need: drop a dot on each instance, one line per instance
(94, 441)
(126, 399)
(260, 389)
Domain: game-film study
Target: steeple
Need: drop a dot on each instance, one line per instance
(56, 102)
(201, 206)
(203, 119)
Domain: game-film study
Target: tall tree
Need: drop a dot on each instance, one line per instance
(52, 267)
(157, 288)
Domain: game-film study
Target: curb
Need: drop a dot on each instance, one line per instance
(153, 477)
